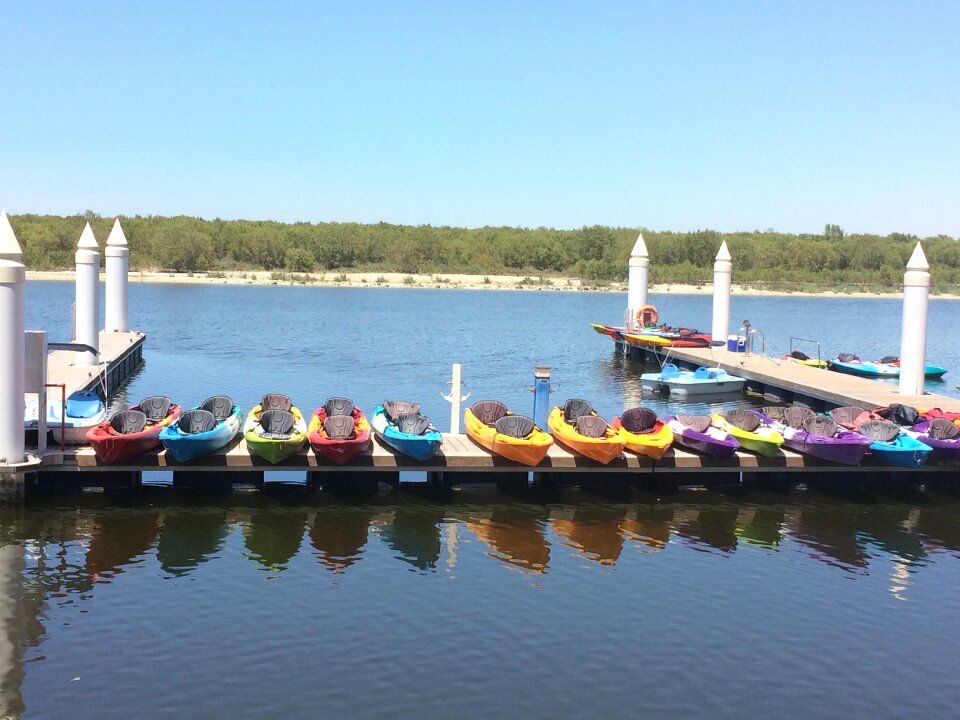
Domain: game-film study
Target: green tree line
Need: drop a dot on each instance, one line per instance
(598, 254)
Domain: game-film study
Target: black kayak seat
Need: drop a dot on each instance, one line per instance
(576, 408)
(847, 414)
(906, 415)
(795, 416)
(338, 406)
(881, 430)
(591, 426)
(774, 412)
(395, 408)
(220, 405)
(943, 429)
(889, 359)
(819, 425)
(638, 420)
(127, 422)
(697, 423)
(193, 422)
(339, 427)
(518, 426)
(847, 357)
(276, 401)
(155, 407)
(799, 355)
(743, 419)
(276, 424)
(489, 411)
(413, 423)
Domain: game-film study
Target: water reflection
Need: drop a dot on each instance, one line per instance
(414, 533)
(339, 534)
(191, 536)
(273, 536)
(514, 535)
(593, 532)
(119, 538)
(648, 527)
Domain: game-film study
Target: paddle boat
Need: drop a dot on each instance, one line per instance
(697, 432)
(643, 432)
(134, 431)
(750, 431)
(338, 430)
(275, 429)
(516, 437)
(687, 383)
(885, 368)
(817, 435)
(84, 410)
(889, 444)
(400, 425)
(578, 426)
(203, 429)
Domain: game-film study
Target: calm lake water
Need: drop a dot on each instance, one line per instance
(420, 602)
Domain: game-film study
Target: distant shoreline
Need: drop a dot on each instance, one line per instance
(441, 281)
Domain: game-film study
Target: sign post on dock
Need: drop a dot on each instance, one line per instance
(722, 272)
(118, 267)
(638, 279)
(913, 335)
(12, 322)
(87, 311)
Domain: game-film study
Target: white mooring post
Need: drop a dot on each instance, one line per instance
(722, 270)
(12, 322)
(913, 336)
(455, 398)
(638, 279)
(87, 309)
(118, 267)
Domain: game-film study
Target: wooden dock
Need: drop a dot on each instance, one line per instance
(120, 354)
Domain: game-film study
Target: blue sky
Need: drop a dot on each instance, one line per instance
(667, 115)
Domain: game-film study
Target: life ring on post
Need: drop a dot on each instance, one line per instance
(647, 316)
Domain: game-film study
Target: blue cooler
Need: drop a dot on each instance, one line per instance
(735, 343)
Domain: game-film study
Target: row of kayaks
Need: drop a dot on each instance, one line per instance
(655, 336)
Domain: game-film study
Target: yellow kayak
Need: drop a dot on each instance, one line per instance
(643, 432)
(578, 426)
(503, 433)
(749, 432)
(642, 340)
(275, 429)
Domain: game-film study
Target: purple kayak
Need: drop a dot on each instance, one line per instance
(940, 434)
(697, 433)
(806, 432)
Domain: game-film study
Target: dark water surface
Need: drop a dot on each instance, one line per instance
(417, 602)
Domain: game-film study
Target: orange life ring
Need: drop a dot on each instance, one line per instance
(647, 315)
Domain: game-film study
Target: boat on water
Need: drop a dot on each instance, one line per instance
(515, 437)
(697, 432)
(816, 435)
(750, 431)
(801, 358)
(889, 443)
(686, 383)
(275, 429)
(887, 367)
(203, 429)
(578, 426)
(643, 432)
(400, 425)
(339, 430)
(134, 431)
(70, 424)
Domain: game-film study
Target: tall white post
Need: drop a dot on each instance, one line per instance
(12, 322)
(638, 278)
(87, 310)
(118, 266)
(722, 271)
(913, 335)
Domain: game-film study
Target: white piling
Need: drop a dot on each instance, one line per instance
(118, 267)
(638, 278)
(722, 271)
(12, 321)
(913, 335)
(455, 398)
(87, 311)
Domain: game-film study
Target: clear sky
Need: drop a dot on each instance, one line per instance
(667, 115)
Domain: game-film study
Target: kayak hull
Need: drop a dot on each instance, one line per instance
(526, 451)
(419, 447)
(184, 447)
(766, 441)
(340, 450)
(652, 444)
(274, 450)
(714, 442)
(112, 447)
(602, 450)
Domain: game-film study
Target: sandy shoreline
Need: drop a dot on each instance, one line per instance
(438, 281)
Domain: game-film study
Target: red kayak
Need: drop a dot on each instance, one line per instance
(338, 430)
(133, 432)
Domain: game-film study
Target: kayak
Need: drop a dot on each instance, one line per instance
(578, 426)
(516, 437)
(401, 426)
(338, 430)
(817, 435)
(133, 431)
(893, 446)
(750, 432)
(84, 411)
(698, 433)
(643, 432)
(941, 434)
(275, 429)
(202, 430)
(881, 369)
(644, 340)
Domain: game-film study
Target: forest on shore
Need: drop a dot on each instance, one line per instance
(765, 259)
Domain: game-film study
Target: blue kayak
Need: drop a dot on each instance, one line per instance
(203, 430)
(882, 370)
(893, 446)
(401, 426)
